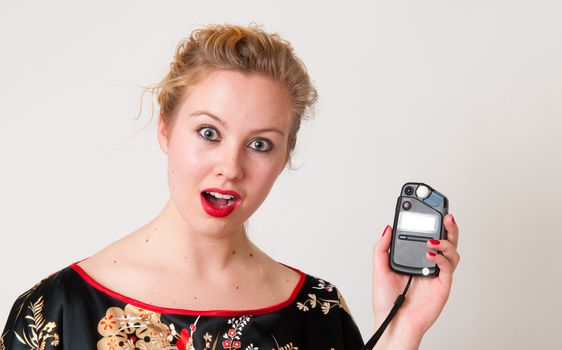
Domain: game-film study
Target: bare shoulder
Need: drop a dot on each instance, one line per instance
(286, 277)
(280, 277)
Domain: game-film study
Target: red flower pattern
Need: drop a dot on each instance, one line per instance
(183, 340)
(232, 335)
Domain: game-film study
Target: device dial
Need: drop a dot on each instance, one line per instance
(423, 192)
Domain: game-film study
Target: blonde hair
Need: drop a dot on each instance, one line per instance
(246, 49)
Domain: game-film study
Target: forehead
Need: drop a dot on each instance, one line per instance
(240, 99)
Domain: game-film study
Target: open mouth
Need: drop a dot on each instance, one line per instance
(218, 199)
(219, 203)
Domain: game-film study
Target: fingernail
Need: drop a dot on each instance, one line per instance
(453, 218)
(434, 241)
(432, 254)
(386, 228)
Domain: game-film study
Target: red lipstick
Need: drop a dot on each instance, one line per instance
(219, 203)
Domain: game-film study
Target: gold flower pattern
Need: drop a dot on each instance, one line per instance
(132, 328)
(287, 347)
(39, 334)
(325, 304)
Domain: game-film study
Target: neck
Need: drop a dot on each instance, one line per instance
(177, 244)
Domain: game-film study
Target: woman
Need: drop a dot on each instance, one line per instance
(230, 109)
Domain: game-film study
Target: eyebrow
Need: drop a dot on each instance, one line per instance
(211, 115)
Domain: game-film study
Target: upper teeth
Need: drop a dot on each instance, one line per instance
(222, 196)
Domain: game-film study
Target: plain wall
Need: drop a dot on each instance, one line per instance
(463, 95)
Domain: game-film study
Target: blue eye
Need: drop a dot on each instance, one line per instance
(208, 133)
(261, 145)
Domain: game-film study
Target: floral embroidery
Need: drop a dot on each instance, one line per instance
(324, 285)
(185, 342)
(132, 328)
(186, 337)
(208, 339)
(24, 296)
(40, 333)
(325, 304)
(343, 304)
(232, 336)
(285, 347)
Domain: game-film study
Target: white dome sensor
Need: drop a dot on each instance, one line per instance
(423, 192)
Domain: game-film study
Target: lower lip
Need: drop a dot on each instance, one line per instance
(218, 212)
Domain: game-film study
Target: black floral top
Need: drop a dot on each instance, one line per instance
(69, 310)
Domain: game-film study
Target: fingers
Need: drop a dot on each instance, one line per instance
(449, 257)
(452, 229)
(445, 267)
(447, 249)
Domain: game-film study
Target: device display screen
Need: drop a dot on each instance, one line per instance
(417, 222)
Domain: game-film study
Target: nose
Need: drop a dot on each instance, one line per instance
(230, 164)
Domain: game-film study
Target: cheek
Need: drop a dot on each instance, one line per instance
(263, 175)
(186, 163)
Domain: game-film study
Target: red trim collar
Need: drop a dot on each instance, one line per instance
(166, 310)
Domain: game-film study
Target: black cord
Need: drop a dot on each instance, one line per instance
(399, 301)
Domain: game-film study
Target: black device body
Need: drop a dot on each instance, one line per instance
(417, 220)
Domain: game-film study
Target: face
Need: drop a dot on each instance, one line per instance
(229, 137)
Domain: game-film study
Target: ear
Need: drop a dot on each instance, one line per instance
(162, 134)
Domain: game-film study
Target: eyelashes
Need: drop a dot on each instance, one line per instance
(207, 133)
(260, 144)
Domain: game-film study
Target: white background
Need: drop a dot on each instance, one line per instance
(463, 95)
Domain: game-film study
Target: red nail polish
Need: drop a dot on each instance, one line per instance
(453, 218)
(432, 254)
(434, 241)
(386, 228)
